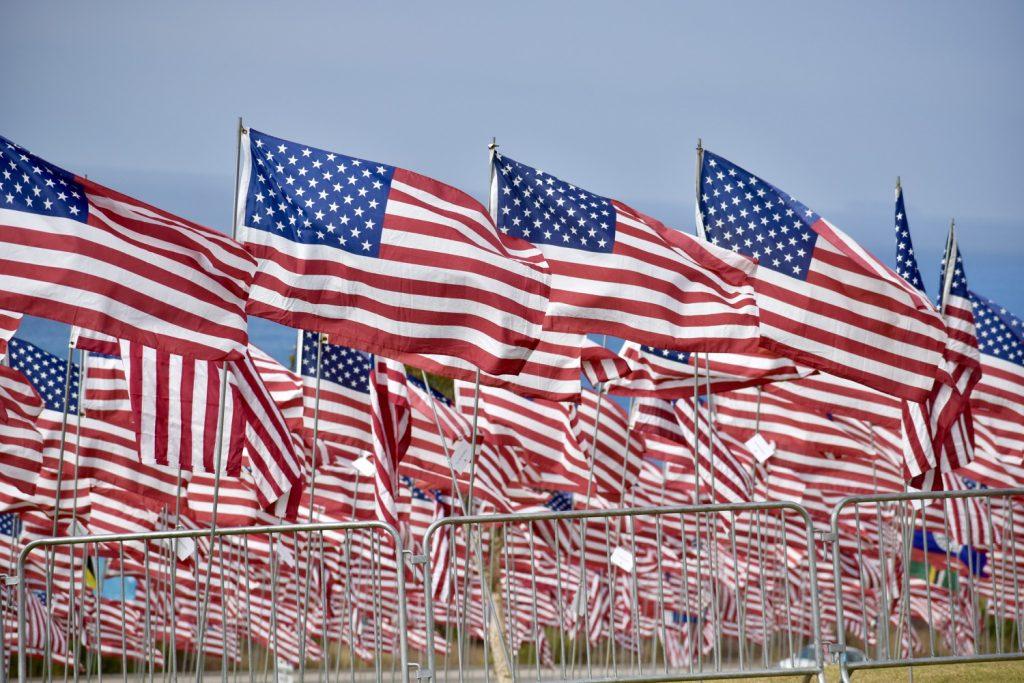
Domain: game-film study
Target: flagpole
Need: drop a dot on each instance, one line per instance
(219, 452)
(950, 266)
(314, 452)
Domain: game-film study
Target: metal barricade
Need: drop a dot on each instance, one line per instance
(263, 602)
(928, 578)
(644, 594)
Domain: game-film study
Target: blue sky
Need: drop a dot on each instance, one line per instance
(830, 102)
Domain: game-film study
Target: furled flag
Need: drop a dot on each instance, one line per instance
(938, 434)
(8, 326)
(342, 414)
(75, 251)
(823, 300)
(617, 271)
(384, 259)
(389, 415)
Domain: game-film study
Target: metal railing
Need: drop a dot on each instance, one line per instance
(641, 594)
(939, 584)
(652, 594)
(260, 601)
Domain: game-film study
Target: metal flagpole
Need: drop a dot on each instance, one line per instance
(312, 501)
(203, 607)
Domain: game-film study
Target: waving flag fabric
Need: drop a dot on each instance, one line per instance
(662, 373)
(384, 259)
(8, 326)
(75, 251)
(824, 301)
(617, 271)
(389, 412)
(1001, 343)
(343, 414)
(21, 444)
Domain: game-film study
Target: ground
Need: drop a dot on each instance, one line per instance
(962, 673)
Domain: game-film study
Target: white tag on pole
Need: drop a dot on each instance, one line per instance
(760, 448)
(78, 530)
(363, 466)
(462, 453)
(185, 548)
(622, 558)
(286, 555)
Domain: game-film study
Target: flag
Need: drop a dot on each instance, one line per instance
(824, 301)
(384, 259)
(1001, 343)
(75, 251)
(181, 421)
(617, 271)
(21, 444)
(343, 414)
(938, 433)
(389, 417)
(663, 373)
(8, 326)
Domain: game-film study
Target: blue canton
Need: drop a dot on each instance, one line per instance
(675, 356)
(437, 395)
(27, 183)
(312, 196)
(10, 525)
(1000, 333)
(743, 213)
(542, 209)
(338, 364)
(906, 262)
(46, 372)
(561, 501)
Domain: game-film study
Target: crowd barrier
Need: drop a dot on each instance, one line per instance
(227, 606)
(950, 565)
(698, 592)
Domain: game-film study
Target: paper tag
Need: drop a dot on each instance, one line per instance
(760, 448)
(461, 455)
(623, 559)
(286, 555)
(186, 548)
(78, 530)
(363, 466)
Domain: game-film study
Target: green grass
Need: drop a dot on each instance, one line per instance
(960, 673)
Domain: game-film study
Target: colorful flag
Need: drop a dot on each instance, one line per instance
(617, 271)
(389, 416)
(384, 259)
(824, 301)
(83, 254)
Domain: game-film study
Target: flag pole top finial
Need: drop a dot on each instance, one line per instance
(493, 144)
(700, 145)
(898, 185)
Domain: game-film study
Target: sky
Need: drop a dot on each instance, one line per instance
(831, 102)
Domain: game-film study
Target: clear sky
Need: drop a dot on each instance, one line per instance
(828, 101)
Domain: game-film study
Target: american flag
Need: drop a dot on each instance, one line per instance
(665, 373)
(343, 414)
(84, 254)
(21, 444)
(389, 417)
(8, 326)
(1001, 343)
(938, 433)
(384, 259)
(823, 300)
(617, 271)
(906, 262)
(178, 415)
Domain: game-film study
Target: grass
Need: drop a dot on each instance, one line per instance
(960, 673)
